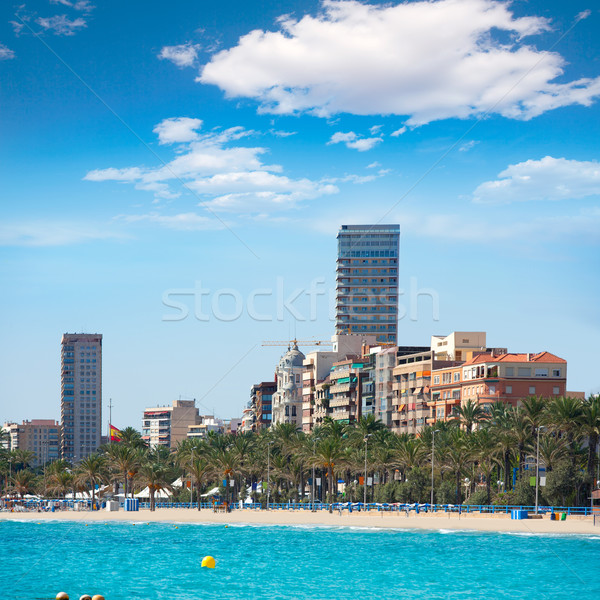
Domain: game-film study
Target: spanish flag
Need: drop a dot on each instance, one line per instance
(115, 434)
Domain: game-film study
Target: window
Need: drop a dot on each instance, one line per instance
(509, 389)
(436, 379)
(555, 372)
(556, 390)
(457, 376)
(524, 372)
(509, 371)
(492, 389)
(287, 411)
(532, 389)
(541, 372)
(293, 411)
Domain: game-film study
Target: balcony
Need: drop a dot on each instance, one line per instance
(345, 401)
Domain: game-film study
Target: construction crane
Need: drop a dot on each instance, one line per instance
(297, 343)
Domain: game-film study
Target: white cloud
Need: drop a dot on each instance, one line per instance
(6, 53)
(546, 179)
(375, 129)
(52, 233)
(468, 145)
(177, 130)
(352, 140)
(373, 165)
(283, 134)
(184, 55)
(398, 132)
(229, 176)
(427, 60)
(181, 222)
(80, 5)
(61, 25)
(352, 178)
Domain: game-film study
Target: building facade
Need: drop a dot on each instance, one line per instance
(367, 281)
(491, 377)
(168, 425)
(261, 396)
(81, 395)
(40, 436)
(287, 399)
(207, 423)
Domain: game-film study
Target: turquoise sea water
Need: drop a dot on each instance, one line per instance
(161, 561)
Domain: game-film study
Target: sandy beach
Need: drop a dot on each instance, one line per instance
(441, 520)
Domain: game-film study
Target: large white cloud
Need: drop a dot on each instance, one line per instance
(546, 179)
(426, 60)
(226, 176)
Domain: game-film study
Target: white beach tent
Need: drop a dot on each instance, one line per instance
(159, 494)
(212, 492)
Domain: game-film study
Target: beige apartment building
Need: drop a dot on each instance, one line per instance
(40, 436)
(168, 425)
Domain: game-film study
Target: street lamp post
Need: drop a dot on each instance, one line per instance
(432, 462)
(537, 469)
(192, 480)
(268, 473)
(312, 487)
(365, 486)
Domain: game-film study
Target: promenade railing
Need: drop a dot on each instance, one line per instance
(33, 505)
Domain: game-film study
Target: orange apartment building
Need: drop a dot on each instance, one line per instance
(489, 377)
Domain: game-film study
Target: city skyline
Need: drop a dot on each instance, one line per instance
(141, 173)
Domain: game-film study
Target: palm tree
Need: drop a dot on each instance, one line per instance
(329, 454)
(226, 463)
(457, 457)
(156, 476)
(590, 427)
(60, 482)
(552, 450)
(131, 437)
(23, 482)
(485, 452)
(469, 414)
(520, 429)
(93, 470)
(565, 418)
(124, 459)
(21, 459)
(410, 452)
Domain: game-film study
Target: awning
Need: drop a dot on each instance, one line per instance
(401, 407)
(145, 493)
(417, 391)
(212, 492)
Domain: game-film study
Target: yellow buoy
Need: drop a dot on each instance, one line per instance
(62, 596)
(85, 597)
(97, 597)
(208, 562)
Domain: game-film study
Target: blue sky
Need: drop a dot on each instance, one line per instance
(151, 150)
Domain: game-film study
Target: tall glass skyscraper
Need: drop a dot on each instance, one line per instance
(367, 281)
(81, 394)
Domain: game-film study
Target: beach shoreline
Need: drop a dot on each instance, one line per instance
(500, 523)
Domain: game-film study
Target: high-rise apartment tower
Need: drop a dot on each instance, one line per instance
(367, 281)
(81, 394)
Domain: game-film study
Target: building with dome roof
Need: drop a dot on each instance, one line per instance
(287, 399)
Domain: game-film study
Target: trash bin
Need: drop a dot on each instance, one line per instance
(552, 516)
(563, 516)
